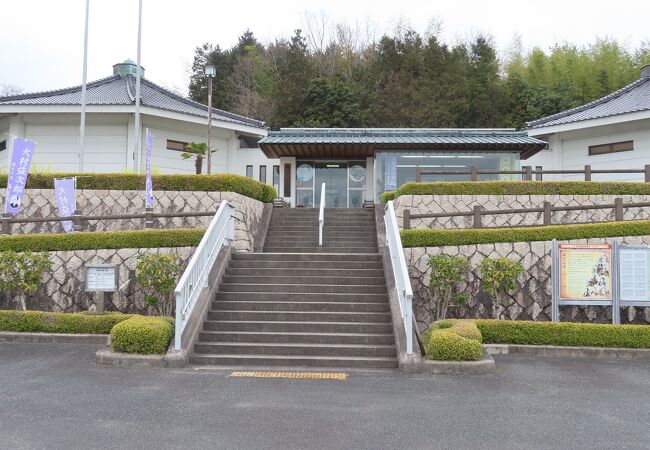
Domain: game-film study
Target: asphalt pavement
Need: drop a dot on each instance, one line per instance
(54, 396)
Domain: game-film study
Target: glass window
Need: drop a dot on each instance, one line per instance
(276, 179)
(611, 148)
(393, 169)
(263, 174)
(305, 184)
(176, 145)
(249, 171)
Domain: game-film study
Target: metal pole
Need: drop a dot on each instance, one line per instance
(138, 156)
(84, 77)
(209, 158)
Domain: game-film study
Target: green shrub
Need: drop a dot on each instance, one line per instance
(469, 236)
(446, 274)
(499, 275)
(454, 340)
(120, 181)
(156, 274)
(387, 196)
(520, 188)
(21, 274)
(49, 322)
(564, 334)
(143, 335)
(173, 237)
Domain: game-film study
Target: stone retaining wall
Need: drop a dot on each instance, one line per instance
(62, 289)
(41, 203)
(532, 301)
(424, 204)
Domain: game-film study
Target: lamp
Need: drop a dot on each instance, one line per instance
(209, 70)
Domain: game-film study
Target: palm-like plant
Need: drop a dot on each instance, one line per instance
(198, 150)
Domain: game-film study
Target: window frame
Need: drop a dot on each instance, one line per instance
(262, 173)
(252, 172)
(173, 148)
(610, 148)
(3, 145)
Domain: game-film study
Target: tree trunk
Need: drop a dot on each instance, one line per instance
(198, 163)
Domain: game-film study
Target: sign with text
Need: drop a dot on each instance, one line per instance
(634, 274)
(148, 183)
(21, 159)
(101, 277)
(585, 272)
(66, 200)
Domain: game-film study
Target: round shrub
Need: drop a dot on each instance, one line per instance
(468, 331)
(446, 345)
(143, 335)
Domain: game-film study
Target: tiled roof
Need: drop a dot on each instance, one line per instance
(634, 97)
(400, 136)
(117, 90)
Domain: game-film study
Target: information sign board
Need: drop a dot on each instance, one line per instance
(634, 275)
(585, 273)
(101, 277)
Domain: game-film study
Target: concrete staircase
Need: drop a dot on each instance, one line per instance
(300, 305)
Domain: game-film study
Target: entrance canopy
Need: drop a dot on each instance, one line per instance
(358, 143)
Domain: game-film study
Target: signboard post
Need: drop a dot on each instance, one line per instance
(584, 274)
(101, 278)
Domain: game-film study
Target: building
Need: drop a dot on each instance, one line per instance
(612, 132)
(52, 120)
(360, 164)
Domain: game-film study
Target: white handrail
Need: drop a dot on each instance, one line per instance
(401, 273)
(195, 278)
(321, 215)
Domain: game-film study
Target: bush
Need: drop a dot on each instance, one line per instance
(143, 335)
(446, 274)
(454, 340)
(568, 334)
(156, 274)
(49, 322)
(499, 275)
(519, 188)
(21, 274)
(120, 181)
(469, 236)
(176, 237)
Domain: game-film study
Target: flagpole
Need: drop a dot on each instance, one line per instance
(82, 124)
(138, 138)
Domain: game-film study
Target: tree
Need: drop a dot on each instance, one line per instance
(156, 274)
(330, 103)
(21, 274)
(198, 151)
(447, 272)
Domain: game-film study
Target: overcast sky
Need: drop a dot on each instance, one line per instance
(41, 41)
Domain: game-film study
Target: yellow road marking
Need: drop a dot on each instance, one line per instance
(300, 375)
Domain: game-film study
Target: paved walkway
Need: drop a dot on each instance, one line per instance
(54, 396)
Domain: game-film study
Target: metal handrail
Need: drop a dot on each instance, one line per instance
(321, 215)
(400, 273)
(195, 278)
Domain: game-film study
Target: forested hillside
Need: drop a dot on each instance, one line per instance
(407, 79)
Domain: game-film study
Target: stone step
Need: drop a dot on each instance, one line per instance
(263, 326)
(304, 288)
(324, 249)
(316, 256)
(327, 228)
(307, 338)
(299, 316)
(324, 272)
(307, 265)
(300, 297)
(296, 279)
(291, 349)
(221, 305)
(296, 241)
(313, 233)
(295, 361)
(314, 223)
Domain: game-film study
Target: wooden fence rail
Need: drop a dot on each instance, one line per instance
(547, 210)
(527, 172)
(79, 221)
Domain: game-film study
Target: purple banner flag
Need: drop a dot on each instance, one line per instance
(66, 200)
(149, 184)
(18, 170)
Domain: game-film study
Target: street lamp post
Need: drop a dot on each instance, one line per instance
(210, 71)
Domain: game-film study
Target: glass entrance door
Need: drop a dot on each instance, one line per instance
(345, 183)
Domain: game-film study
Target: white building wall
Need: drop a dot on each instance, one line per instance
(569, 150)
(4, 154)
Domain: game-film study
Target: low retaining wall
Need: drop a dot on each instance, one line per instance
(531, 301)
(426, 204)
(62, 289)
(41, 203)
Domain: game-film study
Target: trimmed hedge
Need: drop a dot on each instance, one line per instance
(121, 181)
(519, 188)
(144, 335)
(567, 334)
(50, 322)
(454, 340)
(173, 237)
(469, 236)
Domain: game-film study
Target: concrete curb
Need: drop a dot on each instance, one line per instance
(108, 357)
(482, 367)
(53, 338)
(639, 354)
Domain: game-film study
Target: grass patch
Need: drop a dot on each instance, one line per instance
(177, 237)
(519, 188)
(144, 335)
(51, 322)
(120, 181)
(439, 237)
(566, 334)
